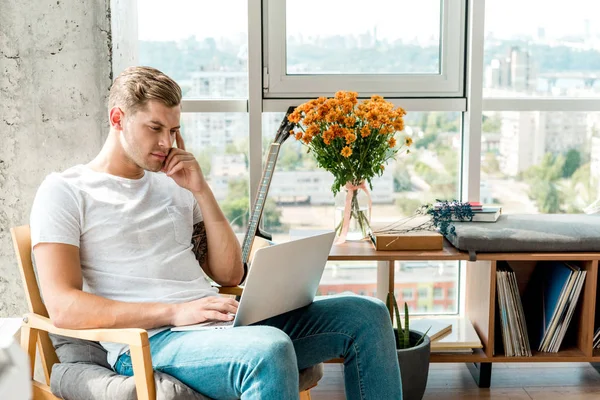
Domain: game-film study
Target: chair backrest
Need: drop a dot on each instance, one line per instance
(21, 236)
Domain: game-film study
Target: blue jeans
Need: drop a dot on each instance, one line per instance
(262, 361)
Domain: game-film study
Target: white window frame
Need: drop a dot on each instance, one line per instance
(448, 83)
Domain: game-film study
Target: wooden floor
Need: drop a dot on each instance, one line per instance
(514, 381)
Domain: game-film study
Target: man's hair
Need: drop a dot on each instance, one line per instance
(135, 86)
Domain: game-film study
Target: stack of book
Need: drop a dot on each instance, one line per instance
(512, 316)
(553, 293)
(448, 334)
(597, 339)
(481, 213)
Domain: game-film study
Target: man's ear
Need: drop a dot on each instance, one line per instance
(116, 117)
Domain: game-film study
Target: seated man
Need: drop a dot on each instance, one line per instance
(125, 241)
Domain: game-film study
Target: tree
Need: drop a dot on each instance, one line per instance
(407, 206)
(572, 163)
(491, 124)
(426, 140)
(401, 176)
(546, 196)
(490, 164)
(236, 206)
(204, 158)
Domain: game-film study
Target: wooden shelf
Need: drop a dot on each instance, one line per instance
(572, 354)
(364, 250)
(477, 356)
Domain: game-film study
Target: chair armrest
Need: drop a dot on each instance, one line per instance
(234, 290)
(130, 336)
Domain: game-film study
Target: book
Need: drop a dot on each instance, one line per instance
(452, 351)
(475, 205)
(512, 316)
(419, 240)
(553, 293)
(462, 335)
(486, 214)
(435, 328)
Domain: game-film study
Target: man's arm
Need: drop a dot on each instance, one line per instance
(215, 245)
(61, 282)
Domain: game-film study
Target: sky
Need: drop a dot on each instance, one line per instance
(178, 19)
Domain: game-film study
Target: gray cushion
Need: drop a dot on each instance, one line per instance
(524, 233)
(84, 374)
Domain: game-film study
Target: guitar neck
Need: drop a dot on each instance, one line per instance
(259, 201)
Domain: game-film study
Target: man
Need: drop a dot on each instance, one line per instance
(126, 240)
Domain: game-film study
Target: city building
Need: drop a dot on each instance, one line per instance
(527, 136)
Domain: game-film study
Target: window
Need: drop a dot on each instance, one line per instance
(438, 293)
(451, 293)
(395, 46)
(423, 292)
(534, 54)
(203, 46)
(222, 152)
(407, 294)
(549, 160)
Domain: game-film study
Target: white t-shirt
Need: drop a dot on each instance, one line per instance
(134, 236)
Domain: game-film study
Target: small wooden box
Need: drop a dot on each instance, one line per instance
(420, 240)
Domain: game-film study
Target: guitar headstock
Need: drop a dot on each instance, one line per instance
(285, 128)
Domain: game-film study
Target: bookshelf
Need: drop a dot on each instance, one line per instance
(480, 299)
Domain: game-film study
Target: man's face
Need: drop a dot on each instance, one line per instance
(148, 135)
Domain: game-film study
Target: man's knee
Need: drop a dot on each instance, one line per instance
(368, 307)
(272, 344)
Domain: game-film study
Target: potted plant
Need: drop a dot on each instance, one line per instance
(413, 354)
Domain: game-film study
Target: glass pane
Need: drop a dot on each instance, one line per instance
(542, 51)
(202, 45)
(300, 199)
(347, 37)
(219, 141)
(540, 162)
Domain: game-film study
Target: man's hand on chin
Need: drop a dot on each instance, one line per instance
(183, 167)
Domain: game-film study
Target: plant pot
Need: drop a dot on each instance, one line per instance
(414, 366)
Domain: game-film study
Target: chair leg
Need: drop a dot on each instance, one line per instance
(28, 344)
(142, 372)
(305, 395)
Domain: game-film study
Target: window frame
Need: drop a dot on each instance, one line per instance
(448, 83)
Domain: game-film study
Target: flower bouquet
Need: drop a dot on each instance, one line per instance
(353, 141)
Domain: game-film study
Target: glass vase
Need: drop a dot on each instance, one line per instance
(352, 213)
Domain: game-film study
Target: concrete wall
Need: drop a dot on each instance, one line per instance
(55, 61)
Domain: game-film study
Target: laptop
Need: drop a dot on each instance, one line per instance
(282, 278)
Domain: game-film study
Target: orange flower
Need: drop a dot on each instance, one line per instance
(382, 167)
(307, 139)
(312, 130)
(351, 137)
(328, 136)
(346, 152)
(365, 131)
(408, 141)
(350, 121)
(298, 135)
(392, 142)
(295, 116)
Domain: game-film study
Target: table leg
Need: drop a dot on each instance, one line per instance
(482, 373)
(385, 280)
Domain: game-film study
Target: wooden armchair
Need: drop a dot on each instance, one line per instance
(36, 327)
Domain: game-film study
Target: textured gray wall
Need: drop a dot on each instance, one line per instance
(55, 60)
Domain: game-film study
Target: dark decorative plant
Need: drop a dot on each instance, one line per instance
(441, 219)
(403, 338)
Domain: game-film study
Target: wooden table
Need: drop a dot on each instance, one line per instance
(480, 299)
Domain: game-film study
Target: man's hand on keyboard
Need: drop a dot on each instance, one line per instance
(212, 308)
